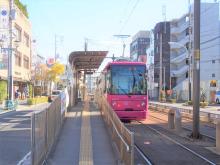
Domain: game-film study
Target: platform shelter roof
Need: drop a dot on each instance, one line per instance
(87, 60)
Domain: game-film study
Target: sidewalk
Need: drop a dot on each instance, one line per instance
(83, 139)
(208, 109)
(22, 105)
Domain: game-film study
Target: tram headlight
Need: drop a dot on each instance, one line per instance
(143, 104)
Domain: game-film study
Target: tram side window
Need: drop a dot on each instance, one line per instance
(104, 90)
(108, 79)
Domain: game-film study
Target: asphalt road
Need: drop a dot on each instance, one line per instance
(15, 135)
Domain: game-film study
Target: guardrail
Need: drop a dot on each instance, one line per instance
(186, 112)
(123, 138)
(45, 127)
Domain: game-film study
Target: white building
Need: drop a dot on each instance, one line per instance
(182, 41)
(150, 68)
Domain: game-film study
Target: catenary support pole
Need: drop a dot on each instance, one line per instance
(196, 70)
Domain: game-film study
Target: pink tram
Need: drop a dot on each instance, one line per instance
(124, 85)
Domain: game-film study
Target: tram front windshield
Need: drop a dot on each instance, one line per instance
(128, 80)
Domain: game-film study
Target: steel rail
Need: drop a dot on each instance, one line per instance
(142, 154)
(181, 145)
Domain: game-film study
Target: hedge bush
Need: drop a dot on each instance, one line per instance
(37, 100)
(3, 90)
(172, 100)
(202, 104)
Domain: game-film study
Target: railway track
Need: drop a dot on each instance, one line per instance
(177, 148)
(186, 128)
(180, 145)
(143, 155)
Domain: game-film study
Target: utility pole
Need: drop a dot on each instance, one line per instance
(10, 54)
(164, 78)
(189, 54)
(86, 45)
(161, 67)
(196, 70)
(55, 55)
(122, 36)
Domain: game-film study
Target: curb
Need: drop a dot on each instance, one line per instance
(6, 112)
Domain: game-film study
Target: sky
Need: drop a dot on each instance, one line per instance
(73, 21)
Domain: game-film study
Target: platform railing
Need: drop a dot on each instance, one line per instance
(45, 127)
(123, 138)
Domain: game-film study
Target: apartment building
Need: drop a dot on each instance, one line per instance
(140, 42)
(21, 46)
(162, 56)
(181, 52)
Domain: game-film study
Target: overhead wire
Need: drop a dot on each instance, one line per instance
(129, 16)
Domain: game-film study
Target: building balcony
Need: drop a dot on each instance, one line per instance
(179, 29)
(179, 58)
(184, 40)
(179, 72)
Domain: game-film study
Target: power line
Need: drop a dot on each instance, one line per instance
(129, 16)
(125, 9)
(209, 40)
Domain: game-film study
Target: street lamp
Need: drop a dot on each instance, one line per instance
(189, 70)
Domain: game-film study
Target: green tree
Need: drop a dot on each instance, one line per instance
(22, 7)
(41, 74)
(53, 74)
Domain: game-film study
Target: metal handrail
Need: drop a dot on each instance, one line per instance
(118, 131)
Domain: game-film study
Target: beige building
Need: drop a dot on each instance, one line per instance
(21, 33)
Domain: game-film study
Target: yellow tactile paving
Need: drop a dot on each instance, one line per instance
(86, 155)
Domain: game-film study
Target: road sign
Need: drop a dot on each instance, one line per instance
(4, 18)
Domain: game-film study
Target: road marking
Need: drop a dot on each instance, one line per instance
(26, 159)
(86, 155)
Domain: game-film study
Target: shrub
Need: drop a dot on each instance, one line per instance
(172, 100)
(203, 104)
(3, 90)
(190, 103)
(37, 100)
(22, 7)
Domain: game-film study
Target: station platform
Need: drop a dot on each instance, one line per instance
(83, 139)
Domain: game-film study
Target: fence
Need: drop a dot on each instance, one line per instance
(123, 138)
(45, 126)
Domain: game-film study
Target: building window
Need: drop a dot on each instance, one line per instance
(157, 51)
(26, 39)
(187, 31)
(18, 58)
(26, 62)
(18, 33)
(213, 74)
(213, 61)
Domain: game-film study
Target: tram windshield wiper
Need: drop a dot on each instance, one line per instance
(124, 91)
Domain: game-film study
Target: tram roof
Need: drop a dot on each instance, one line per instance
(87, 60)
(124, 63)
